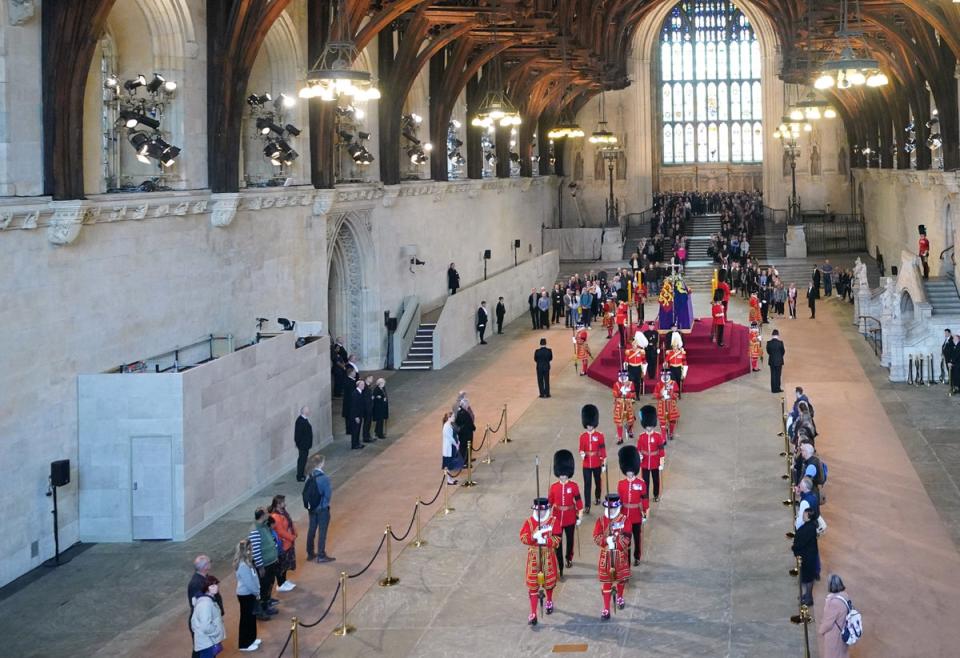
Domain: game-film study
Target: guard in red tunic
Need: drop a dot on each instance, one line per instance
(668, 411)
(676, 360)
(636, 357)
(608, 313)
(756, 347)
(725, 287)
(652, 448)
(719, 314)
(923, 249)
(582, 348)
(621, 319)
(633, 496)
(755, 315)
(612, 534)
(537, 534)
(593, 452)
(566, 503)
(624, 395)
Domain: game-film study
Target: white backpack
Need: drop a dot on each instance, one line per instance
(853, 624)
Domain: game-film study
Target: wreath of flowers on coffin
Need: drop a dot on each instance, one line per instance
(666, 295)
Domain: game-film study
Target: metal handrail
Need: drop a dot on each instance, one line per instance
(875, 336)
(950, 248)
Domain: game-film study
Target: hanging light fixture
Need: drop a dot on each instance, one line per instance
(567, 128)
(850, 70)
(812, 108)
(495, 107)
(333, 75)
(602, 135)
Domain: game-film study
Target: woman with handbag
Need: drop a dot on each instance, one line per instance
(207, 621)
(452, 461)
(287, 533)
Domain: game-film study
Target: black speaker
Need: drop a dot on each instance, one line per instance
(516, 244)
(391, 324)
(893, 270)
(486, 254)
(60, 472)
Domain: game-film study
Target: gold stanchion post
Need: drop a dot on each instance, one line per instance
(296, 638)
(489, 458)
(389, 580)
(506, 427)
(419, 541)
(446, 505)
(469, 482)
(344, 628)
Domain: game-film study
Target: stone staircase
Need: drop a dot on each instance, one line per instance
(420, 356)
(942, 295)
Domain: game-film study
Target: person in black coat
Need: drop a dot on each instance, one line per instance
(367, 409)
(816, 281)
(349, 383)
(812, 295)
(381, 407)
(501, 311)
(453, 279)
(651, 351)
(775, 353)
(805, 547)
(355, 412)
(303, 438)
(482, 319)
(532, 300)
(465, 427)
(543, 356)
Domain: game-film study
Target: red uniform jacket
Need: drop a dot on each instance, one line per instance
(676, 358)
(622, 313)
(619, 557)
(635, 356)
(719, 315)
(725, 287)
(623, 402)
(923, 247)
(756, 351)
(755, 315)
(583, 349)
(634, 497)
(535, 550)
(565, 500)
(593, 445)
(651, 446)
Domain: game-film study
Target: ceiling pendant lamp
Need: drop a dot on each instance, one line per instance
(849, 69)
(567, 128)
(333, 75)
(602, 135)
(495, 108)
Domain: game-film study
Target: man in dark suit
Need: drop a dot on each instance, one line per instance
(482, 317)
(338, 361)
(355, 421)
(367, 409)
(532, 300)
(775, 352)
(303, 438)
(501, 311)
(453, 279)
(543, 356)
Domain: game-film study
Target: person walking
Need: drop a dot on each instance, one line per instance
(812, 295)
(827, 270)
(453, 279)
(265, 557)
(317, 493)
(248, 591)
(775, 353)
(835, 610)
(482, 318)
(303, 438)
(543, 356)
(287, 533)
(792, 301)
(206, 621)
(381, 408)
(500, 312)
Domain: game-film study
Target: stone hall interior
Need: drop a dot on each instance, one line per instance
(732, 223)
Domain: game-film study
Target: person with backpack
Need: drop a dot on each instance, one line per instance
(841, 624)
(808, 464)
(317, 493)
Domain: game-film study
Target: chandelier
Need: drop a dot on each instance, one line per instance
(790, 129)
(812, 109)
(850, 70)
(495, 107)
(602, 135)
(332, 75)
(567, 128)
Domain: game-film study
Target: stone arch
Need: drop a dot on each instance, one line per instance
(352, 292)
(906, 306)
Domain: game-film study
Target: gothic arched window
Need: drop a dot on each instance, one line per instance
(709, 77)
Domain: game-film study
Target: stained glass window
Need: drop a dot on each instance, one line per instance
(710, 84)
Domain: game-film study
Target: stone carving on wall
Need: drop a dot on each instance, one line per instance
(815, 160)
(599, 170)
(889, 300)
(20, 11)
(68, 218)
(578, 166)
(860, 271)
(224, 210)
(842, 165)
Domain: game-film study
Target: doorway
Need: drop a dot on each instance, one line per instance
(151, 487)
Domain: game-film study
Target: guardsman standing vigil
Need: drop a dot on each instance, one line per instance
(651, 445)
(593, 452)
(633, 496)
(566, 503)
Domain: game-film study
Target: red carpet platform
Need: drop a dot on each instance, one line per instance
(709, 365)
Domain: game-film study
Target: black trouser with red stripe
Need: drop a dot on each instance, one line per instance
(587, 474)
(567, 533)
(646, 473)
(636, 529)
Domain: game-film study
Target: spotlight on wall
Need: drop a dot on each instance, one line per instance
(266, 125)
(259, 99)
(286, 324)
(292, 129)
(159, 82)
(283, 100)
(416, 155)
(934, 142)
(132, 118)
(132, 84)
(112, 82)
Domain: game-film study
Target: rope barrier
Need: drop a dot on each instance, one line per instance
(370, 563)
(285, 644)
(409, 527)
(474, 448)
(499, 424)
(443, 481)
(336, 592)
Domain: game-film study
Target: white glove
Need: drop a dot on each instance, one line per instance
(603, 469)
(582, 454)
(663, 462)
(643, 520)
(579, 520)
(574, 340)
(610, 543)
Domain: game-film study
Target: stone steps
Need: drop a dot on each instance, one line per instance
(420, 355)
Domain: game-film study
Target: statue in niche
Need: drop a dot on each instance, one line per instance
(786, 163)
(599, 168)
(889, 299)
(860, 272)
(842, 161)
(578, 166)
(622, 165)
(815, 160)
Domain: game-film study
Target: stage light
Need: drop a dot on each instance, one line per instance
(133, 84)
(345, 136)
(363, 136)
(261, 99)
(154, 85)
(283, 100)
(266, 126)
(132, 119)
(286, 324)
(292, 129)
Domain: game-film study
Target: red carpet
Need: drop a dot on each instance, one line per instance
(709, 365)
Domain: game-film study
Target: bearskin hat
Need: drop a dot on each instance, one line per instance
(718, 295)
(629, 459)
(589, 416)
(563, 463)
(721, 275)
(648, 416)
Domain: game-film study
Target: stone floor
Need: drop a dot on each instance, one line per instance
(713, 581)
